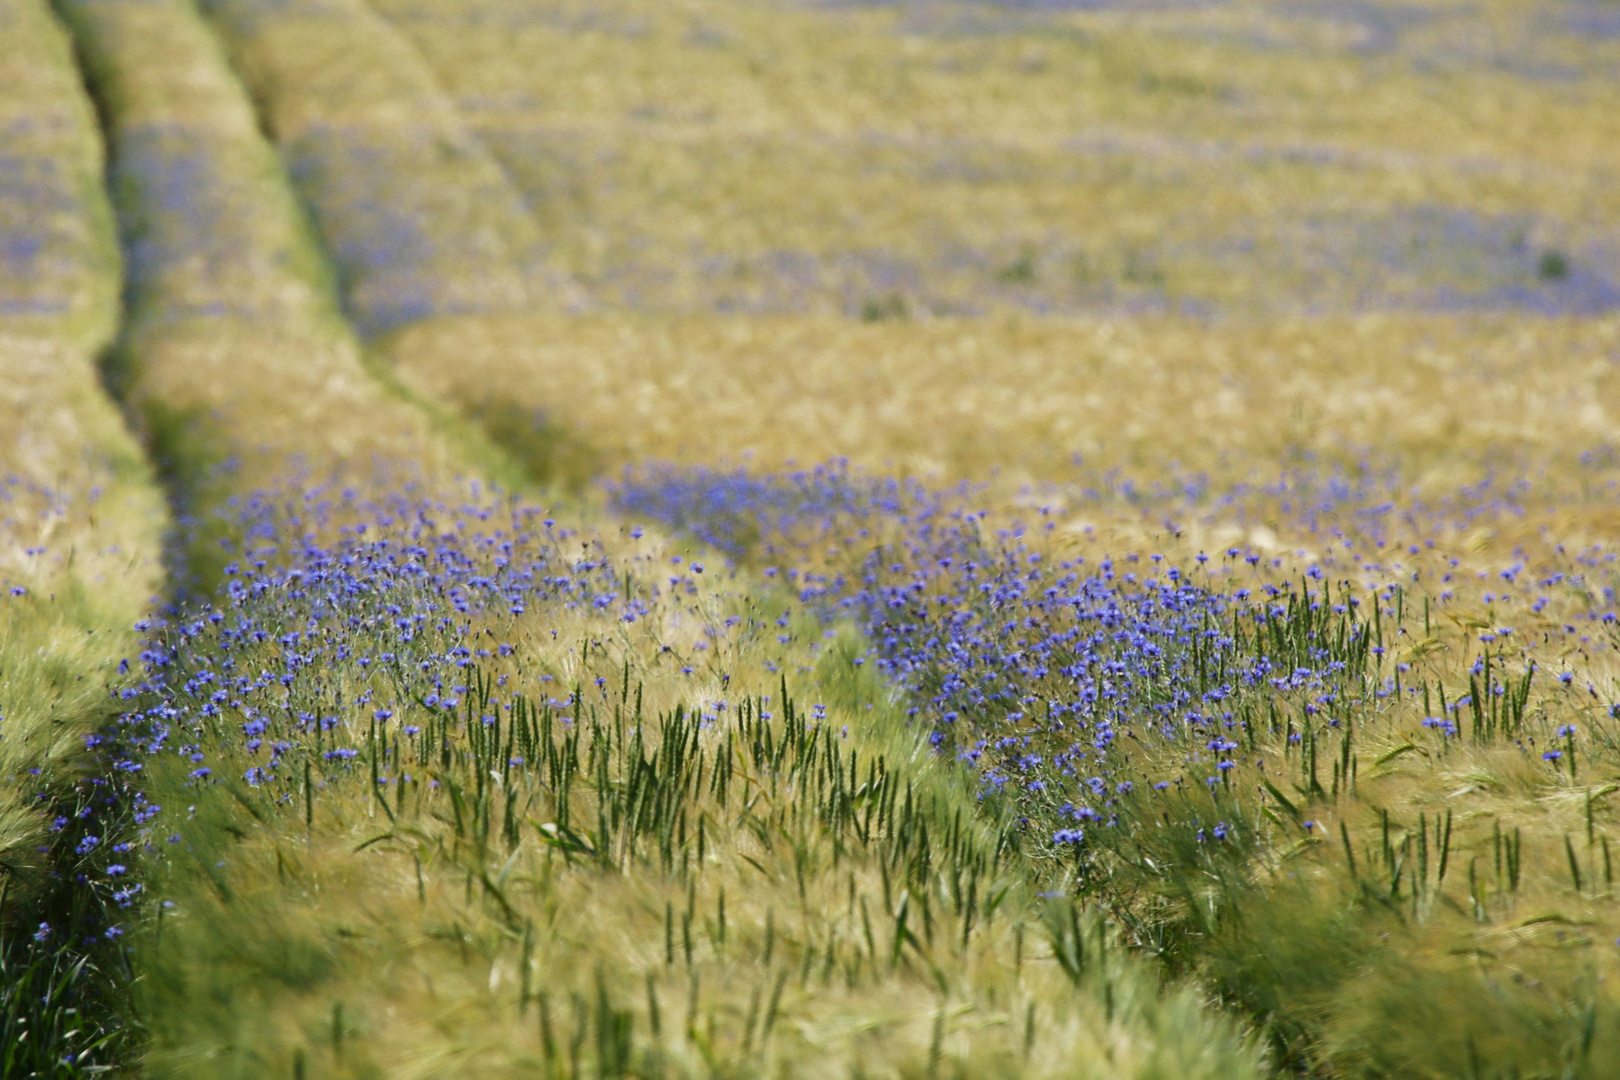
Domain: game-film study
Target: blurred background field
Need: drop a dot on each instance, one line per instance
(943, 158)
(1221, 414)
(1366, 195)
(418, 218)
(1124, 241)
(1054, 401)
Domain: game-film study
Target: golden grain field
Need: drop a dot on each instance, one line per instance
(732, 538)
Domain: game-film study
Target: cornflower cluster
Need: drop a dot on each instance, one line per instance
(319, 656)
(736, 511)
(1064, 683)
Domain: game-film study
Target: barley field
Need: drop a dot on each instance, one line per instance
(809, 538)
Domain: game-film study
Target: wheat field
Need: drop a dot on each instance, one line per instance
(742, 538)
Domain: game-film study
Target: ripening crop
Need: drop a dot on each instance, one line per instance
(797, 539)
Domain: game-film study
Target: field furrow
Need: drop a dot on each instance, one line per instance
(236, 356)
(419, 219)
